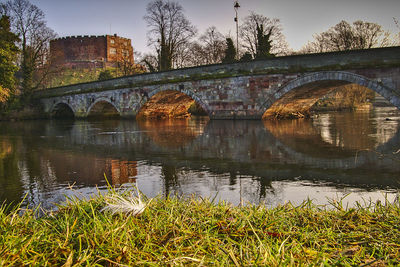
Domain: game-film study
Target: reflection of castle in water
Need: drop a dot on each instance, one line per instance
(122, 171)
(5, 148)
(91, 169)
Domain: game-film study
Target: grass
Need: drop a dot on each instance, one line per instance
(70, 76)
(198, 232)
(74, 76)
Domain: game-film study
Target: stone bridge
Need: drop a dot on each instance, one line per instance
(243, 90)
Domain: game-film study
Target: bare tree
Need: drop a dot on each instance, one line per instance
(170, 31)
(344, 36)
(150, 61)
(198, 54)
(208, 49)
(213, 43)
(396, 21)
(188, 56)
(28, 22)
(137, 56)
(273, 27)
(126, 64)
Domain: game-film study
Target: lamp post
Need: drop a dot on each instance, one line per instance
(236, 7)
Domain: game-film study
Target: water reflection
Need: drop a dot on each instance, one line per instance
(172, 133)
(272, 161)
(122, 171)
(5, 148)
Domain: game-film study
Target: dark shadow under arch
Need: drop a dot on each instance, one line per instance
(62, 110)
(102, 109)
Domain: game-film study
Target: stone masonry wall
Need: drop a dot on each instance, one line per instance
(84, 51)
(119, 49)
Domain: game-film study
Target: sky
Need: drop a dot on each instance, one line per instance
(300, 18)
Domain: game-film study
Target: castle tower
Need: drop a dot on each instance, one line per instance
(88, 51)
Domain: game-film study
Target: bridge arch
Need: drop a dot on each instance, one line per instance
(99, 101)
(175, 88)
(61, 107)
(326, 79)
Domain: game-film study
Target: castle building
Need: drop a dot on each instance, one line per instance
(91, 51)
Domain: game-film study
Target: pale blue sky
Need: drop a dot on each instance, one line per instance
(300, 18)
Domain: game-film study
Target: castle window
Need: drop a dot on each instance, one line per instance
(125, 53)
(113, 51)
(112, 41)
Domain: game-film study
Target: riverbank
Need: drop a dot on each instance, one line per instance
(27, 113)
(198, 232)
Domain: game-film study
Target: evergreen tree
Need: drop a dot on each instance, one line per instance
(230, 52)
(105, 75)
(270, 26)
(8, 54)
(246, 57)
(263, 43)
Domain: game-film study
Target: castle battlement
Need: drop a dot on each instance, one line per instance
(82, 36)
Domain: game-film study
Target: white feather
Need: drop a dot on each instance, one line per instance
(131, 205)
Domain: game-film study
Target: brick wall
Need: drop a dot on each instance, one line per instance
(119, 49)
(86, 50)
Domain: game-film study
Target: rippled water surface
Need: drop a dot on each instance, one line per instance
(326, 157)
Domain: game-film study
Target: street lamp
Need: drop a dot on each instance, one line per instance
(236, 7)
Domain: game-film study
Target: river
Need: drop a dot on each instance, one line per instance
(333, 155)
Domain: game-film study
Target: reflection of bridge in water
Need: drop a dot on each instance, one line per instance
(199, 156)
(269, 152)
